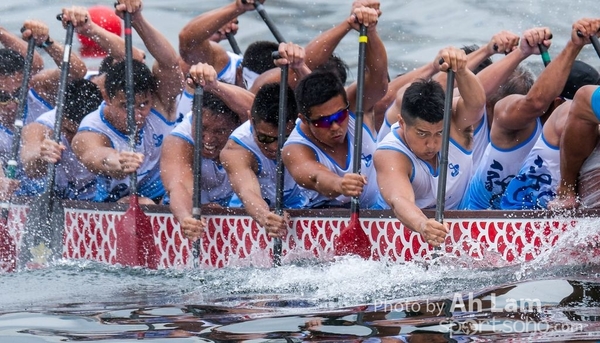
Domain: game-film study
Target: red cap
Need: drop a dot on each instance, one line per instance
(105, 17)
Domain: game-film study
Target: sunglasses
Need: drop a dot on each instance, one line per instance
(6, 97)
(326, 121)
(266, 139)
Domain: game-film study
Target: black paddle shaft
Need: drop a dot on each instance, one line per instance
(443, 165)
(281, 133)
(130, 96)
(197, 167)
(234, 45)
(270, 24)
(60, 101)
(358, 128)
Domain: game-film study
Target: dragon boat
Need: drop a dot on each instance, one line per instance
(234, 239)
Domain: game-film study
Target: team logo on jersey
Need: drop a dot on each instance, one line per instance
(455, 169)
(368, 159)
(158, 139)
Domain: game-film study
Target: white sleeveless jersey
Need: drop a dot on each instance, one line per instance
(215, 185)
(151, 137)
(35, 107)
(481, 139)
(425, 178)
(496, 169)
(73, 180)
(386, 127)
(368, 198)
(535, 184)
(293, 195)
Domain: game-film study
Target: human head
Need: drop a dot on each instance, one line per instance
(336, 65)
(581, 74)
(257, 59)
(474, 47)
(218, 122)
(106, 18)
(82, 97)
(143, 79)
(12, 65)
(520, 81)
(423, 99)
(316, 89)
(265, 117)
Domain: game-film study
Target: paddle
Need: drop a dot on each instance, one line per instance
(352, 238)
(545, 55)
(7, 245)
(594, 40)
(270, 24)
(279, 182)
(43, 232)
(443, 175)
(134, 230)
(197, 168)
(234, 45)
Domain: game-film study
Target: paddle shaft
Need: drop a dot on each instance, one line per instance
(443, 165)
(545, 55)
(234, 45)
(281, 128)
(270, 24)
(594, 40)
(197, 167)
(130, 96)
(60, 103)
(358, 128)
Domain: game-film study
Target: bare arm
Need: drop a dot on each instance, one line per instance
(176, 162)
(32, 137)
(94, 151)
(241, 168)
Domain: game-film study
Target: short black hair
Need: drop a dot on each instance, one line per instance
(214, 104)
(107, 63)
(317, 88)
(336, 65)
(11, 62)
(143, 79)
(265, 107)
(81, 98)
(423, 99)
(258, 56)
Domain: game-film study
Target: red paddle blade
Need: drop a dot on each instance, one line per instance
(8, 251)
(135, 238)
(353, 240)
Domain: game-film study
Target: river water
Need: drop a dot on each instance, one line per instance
(348, 300)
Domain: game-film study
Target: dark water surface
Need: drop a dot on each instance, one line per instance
(556, 298)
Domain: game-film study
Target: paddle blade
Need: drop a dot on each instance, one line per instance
(43, 235)
(7, 246)
(353, 240)
(135, 238)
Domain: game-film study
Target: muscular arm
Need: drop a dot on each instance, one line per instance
(94, 151)
(236, 98)
(241, 168)
(176, 162)
(32, 137)
(471, 104)
(301, 163)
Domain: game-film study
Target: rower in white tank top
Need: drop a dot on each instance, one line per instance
(73, 180)
(293, 195)
(150, 141)
(368, 198)
(424, 178)
(496, 169)
(481, 138)
(215, 184)
(535, 184)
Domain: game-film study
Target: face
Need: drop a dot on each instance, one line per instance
(423, 138)
(265, 136)
(328, 122)
(215, 132)
(117, 107)
(10, 88)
